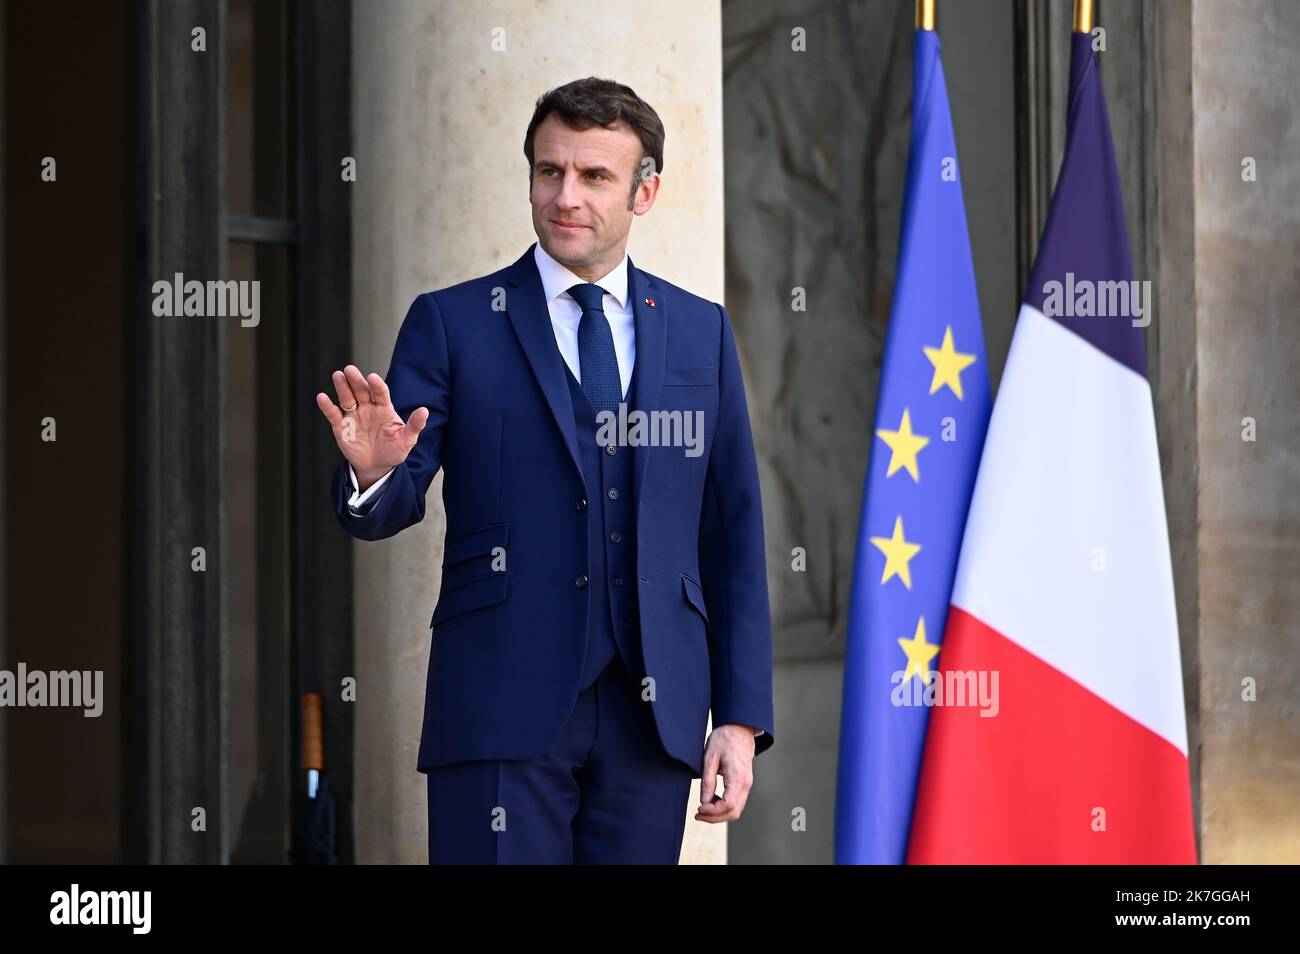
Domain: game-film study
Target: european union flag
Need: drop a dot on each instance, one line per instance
(931, 416)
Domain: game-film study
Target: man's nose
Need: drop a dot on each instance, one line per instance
(569, 196)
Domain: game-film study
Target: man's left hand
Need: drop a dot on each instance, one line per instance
(729, 752)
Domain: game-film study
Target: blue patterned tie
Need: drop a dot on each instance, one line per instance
(596, 357)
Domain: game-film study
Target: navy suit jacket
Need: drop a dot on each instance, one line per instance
(508, 644)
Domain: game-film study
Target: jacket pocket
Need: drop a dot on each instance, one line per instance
(476, 594)
(689, 377)
(470, 580)
(475, 543)
(472, 555)
(695, 596)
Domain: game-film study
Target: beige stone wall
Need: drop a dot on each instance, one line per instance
(1245, 100)
(442, 94)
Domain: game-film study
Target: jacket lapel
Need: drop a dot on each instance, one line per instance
(651, 324)
(526, 306)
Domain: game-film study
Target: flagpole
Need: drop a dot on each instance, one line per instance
(925, 15)
(1082, 15)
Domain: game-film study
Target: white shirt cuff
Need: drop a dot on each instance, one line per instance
(359, 499)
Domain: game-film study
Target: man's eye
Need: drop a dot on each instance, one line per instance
(595, 175)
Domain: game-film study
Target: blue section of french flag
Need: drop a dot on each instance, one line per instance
(931, 415)
(1064, 586)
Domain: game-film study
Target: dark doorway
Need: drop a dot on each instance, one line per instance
(176, 534)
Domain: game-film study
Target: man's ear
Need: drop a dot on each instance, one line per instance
(646, 192)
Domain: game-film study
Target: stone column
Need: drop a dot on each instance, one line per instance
(442, 95)
(1245, 92)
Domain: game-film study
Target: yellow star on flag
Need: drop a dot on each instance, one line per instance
(904, 446)
(948, 363)
(919, 654)
(897, 553)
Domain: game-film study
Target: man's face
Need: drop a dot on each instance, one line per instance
(581, 182)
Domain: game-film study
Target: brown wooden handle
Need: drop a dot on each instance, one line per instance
(313, 733)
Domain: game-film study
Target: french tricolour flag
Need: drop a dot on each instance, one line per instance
(1063, 585)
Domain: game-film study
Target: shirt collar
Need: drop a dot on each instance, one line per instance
(556, 279)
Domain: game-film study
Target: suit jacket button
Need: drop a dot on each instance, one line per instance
(613, 493)
(582, 503)
(617, 581)
(611, 450)
(581, 581)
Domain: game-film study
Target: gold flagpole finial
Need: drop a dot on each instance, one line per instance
(925, 15)
(1082, 16)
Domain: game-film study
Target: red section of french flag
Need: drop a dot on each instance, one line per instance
(1050, 778)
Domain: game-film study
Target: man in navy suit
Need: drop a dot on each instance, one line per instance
(604, 581)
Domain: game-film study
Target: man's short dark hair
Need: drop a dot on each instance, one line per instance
(589, 102)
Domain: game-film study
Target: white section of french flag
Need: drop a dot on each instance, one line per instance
(1065, 589)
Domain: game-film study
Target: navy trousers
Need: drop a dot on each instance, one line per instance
(605, 793)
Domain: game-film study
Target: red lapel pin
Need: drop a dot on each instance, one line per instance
(650, 302)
